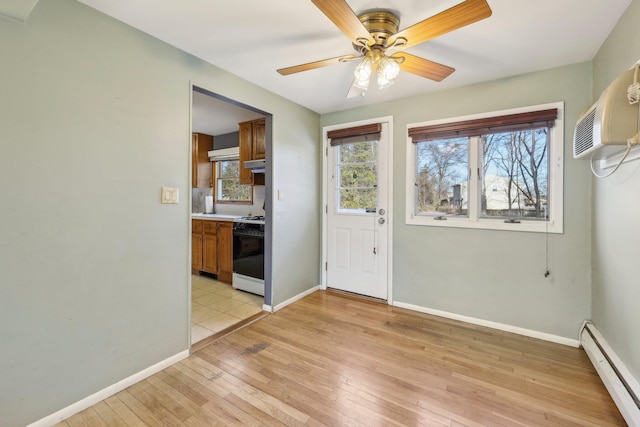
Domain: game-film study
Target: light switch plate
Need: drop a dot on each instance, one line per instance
(169, 195)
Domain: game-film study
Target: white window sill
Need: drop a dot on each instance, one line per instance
(487, 224)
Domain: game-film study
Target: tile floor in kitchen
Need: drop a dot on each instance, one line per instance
(216, 306)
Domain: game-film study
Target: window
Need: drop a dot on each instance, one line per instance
(356, 159)
(442, 177)
(501, 170)
(228, 187)
(357, 175)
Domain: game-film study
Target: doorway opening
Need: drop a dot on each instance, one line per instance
(224, 191)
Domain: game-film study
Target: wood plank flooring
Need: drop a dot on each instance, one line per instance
(330, 359)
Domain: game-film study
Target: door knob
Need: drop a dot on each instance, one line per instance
(382, 212)
(381, 221)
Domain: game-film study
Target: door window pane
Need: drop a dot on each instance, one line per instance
(442, 183)
(515, 174)
(357, 175)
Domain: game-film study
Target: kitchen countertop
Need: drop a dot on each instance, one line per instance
(215, 217)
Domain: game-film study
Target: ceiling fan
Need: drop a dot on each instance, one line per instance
(376, 32)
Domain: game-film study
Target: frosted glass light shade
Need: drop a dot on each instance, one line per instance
(383, 82)
(388, 70)
(363, 70)
(362, 74)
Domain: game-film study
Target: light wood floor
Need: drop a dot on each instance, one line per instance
(330, 359)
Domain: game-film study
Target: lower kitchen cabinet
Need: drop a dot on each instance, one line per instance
(215, 248)
(196, 246)
(224, 238)
(210, 253)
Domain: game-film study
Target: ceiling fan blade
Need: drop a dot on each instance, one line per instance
(458, 16)
(339, 12)
(354, 92)
(423, 67)
(315, 64)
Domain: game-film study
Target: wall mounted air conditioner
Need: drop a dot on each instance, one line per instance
(612, 120)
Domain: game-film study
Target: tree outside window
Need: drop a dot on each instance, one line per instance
(442, 175)
(514, 178)
(228, 188)
(357, 174)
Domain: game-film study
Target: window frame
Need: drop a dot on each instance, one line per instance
(217, 179)
(474, 220)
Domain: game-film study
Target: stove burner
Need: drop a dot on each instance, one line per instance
(248, 228)
(253, 218)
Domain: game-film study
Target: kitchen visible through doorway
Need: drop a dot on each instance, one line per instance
(216, 306)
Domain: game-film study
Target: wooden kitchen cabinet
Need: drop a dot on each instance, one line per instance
(245, 147)
(252, 145)
(225, 251)
(214, 250)
(196, 246)
(258, 147)
(201, 166)
(210, 247)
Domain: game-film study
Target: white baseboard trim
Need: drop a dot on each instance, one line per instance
(296, 298)
(607, 362)
(489, 324)
(267, 308)
(88, 401)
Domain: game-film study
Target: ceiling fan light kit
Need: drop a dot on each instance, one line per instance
(374, 32)
(375, 60)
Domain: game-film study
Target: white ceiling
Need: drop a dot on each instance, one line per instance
(253, 38)
(215, 117)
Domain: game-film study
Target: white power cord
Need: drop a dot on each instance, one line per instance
(626, 153)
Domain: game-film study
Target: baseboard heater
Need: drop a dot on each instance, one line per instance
(622, 386)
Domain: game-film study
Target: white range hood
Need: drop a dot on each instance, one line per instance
(256, 166)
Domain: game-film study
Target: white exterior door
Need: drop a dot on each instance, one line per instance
(357, 215)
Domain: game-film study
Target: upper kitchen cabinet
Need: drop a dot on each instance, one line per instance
(258, 139)
(252, 147)
(201, 166)
(245, 146)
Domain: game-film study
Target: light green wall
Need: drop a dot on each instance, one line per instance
(616, 213)
(494, 275)
(94, 271)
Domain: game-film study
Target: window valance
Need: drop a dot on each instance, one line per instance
(489, 125)
(363, 133)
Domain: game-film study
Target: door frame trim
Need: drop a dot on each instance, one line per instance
(268, 198)
(325, 198)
